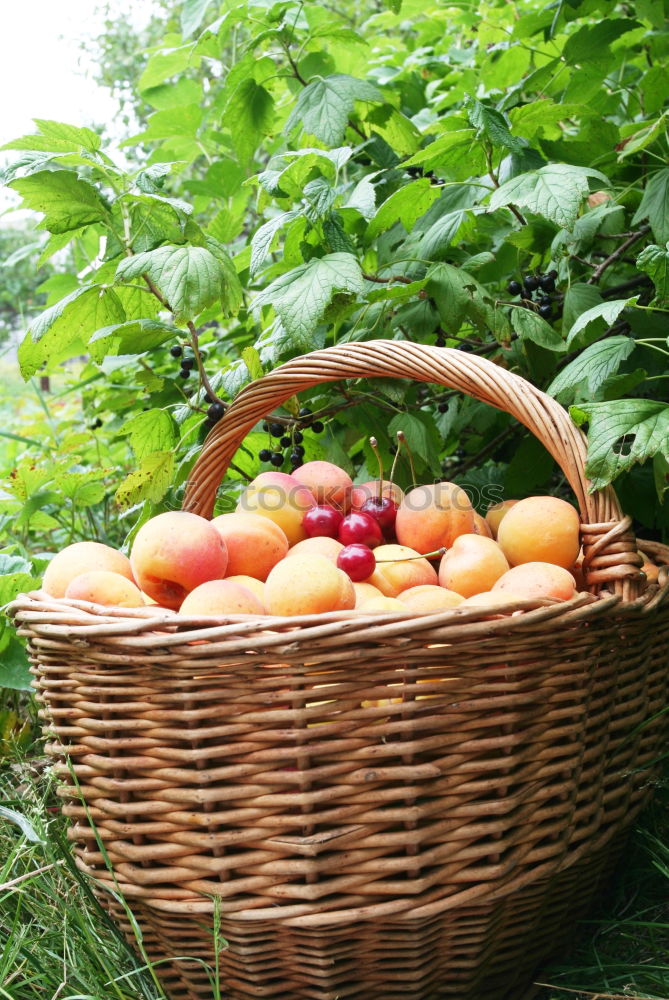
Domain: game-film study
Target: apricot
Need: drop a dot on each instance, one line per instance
(651, 570)
(82, 557)
(254, 543)
(173, 553)
(321, 545)
(430, 598)
(221, 597)
(489, 597)
(280, 498)
(433, 516)
(540, 529)
(256, 586)
(307, 584)
(496, 512)
(365, 592)
(481, 526)
(383, 604)
(472, 564)
(328, 483)
(101, 586)
(370, 490)
(533, 580)
(405, 569)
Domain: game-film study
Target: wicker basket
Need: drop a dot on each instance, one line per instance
(398, 805)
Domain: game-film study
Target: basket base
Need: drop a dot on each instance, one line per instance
(486, 952)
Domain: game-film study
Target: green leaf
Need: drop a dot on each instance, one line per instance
(591, 368)
(579, 297)
(530, 120)
(182, 121)
(65, 200)
(192, 15)
(189, 278)
(324, 107)
(415, 432)
(593, 40)
(530, 326)
(441, 235)
(492, 124)
(25, 826)
(150, 431)
(555, 191)
(82, 489)
(621, 433)
(661, 475)
(150, 482)
(607, 313)
(263, 238)
(654, 261)
(251, 359)
(14, 667)
(407, 204)
(70, 321)
(636, 138)
(56, 137)
(166, 63)
(655, 205)
(395, 128)
(320, 197)
(249, 115)
(301, 296)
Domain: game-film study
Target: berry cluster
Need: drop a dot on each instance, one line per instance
(541, 285)
(290, 437)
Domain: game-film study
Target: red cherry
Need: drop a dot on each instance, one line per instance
(322, 521)
(384, 511)
(357, 560)
(359, 527)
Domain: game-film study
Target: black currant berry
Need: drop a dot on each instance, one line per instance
(530, 282)
(285, 442)
(176, 351)
(317, 427)
(276, 430)
(514, 288)
(552, 274)
(264, 455)
(545, 311)
(295, 460)
(184, 373)
(304, 413)
(276, 458)
(215, 412)
(208, 425)
(208, 398)
(545, 300)
(96, 423)
(298, 437)
(442, 407)
(299, 450)
(547, 283)
(188, 363)
(460, 453)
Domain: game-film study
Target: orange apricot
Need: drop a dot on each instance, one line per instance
(307, 584)
(329, 484)
(254, 543)
(280, 498)
(471, 565)
(383, 604)
(365, 592)
(540, 529)
(221, 597)
(398, 568)
(651, 570)
(321, 545)
(256, 586)
(496, 512)
(430, 598)
(433, 516)
(481, 526)
(537, 579)
(173, 553)
(102, 586)
(82, 557)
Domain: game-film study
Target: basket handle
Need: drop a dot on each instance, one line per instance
(610, 553)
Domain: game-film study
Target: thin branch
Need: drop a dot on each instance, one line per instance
(487, 450)
(384, 281)
(200, 367)
(640, 280)
(617, 254)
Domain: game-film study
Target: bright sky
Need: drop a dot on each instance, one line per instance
(42, 66)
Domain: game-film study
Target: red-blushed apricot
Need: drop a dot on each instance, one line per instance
(321, 545)
(489, 597)
(398, 568)
(256, 586)
(383, 604)
(651, 570)
(254, 543)
(481, 526)
(101, 586)
(329, 484)
(370, 490)
(496, 512)
(280, 498)
(431, 517)
(472, 565)
(173, 553)
(221, 597)
(307, 585)
(83, 557)
(430, 598)
(540, 529)
(537, 579)
(365, 592)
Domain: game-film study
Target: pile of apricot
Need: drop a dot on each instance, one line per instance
(313, 542)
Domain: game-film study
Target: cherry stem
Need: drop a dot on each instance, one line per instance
(401, 440)
(374, 445)
(427, 555)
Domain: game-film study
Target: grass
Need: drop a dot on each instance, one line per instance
(57, 943)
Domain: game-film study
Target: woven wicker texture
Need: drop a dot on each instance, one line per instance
(385, 805)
